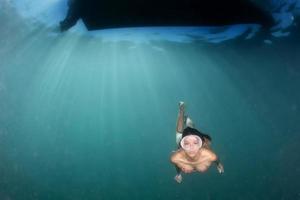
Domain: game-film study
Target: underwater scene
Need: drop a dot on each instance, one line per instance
(91, 115)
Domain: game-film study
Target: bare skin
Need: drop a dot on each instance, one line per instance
(200, 162)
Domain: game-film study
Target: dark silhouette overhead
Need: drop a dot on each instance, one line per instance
(99, 14)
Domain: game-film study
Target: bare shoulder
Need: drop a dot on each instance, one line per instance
(210, 154)
(177, 155)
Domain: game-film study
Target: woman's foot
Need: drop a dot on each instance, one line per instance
(189, 122)
(181, 105)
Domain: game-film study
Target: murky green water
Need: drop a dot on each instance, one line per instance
(83, 118)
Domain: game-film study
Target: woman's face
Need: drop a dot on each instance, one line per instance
(191, 145)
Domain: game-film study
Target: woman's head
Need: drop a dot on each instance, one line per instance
(191, 144)
(191, 131)
(191, 141)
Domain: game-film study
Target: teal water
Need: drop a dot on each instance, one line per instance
(86, 118)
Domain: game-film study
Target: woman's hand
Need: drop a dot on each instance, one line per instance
(187, 170)
(220, 168)
(178, 178)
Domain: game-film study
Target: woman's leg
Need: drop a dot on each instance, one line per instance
(180, 122)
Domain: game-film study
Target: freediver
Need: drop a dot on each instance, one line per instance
(194, 153)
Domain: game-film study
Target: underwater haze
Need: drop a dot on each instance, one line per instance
(92, 115)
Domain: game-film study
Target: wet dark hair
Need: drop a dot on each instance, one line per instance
(192, 131)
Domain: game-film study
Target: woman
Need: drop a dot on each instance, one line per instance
(194, 152)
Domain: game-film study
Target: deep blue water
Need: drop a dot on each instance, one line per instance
(92, 115)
